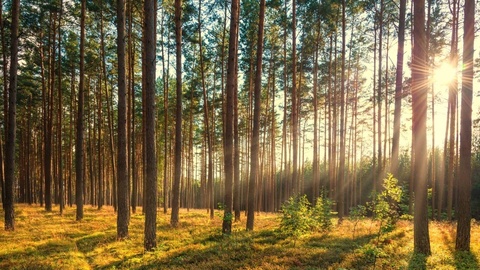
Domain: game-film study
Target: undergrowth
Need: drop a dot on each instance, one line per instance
(49, 241)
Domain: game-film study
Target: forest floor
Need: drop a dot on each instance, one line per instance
(44, 240)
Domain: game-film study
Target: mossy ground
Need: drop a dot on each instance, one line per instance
(45, 240)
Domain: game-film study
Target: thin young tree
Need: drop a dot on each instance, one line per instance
(79, 169)
(12, 125)
(465, 177)
(419, 129)
(149, 39)
(178, 116)
(229, 108)
(122, 173)
(256, 121)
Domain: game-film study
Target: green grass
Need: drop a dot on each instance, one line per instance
(49, 241)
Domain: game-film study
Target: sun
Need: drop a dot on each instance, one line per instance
(444, 74)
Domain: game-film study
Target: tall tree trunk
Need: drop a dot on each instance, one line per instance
(79, 168)
(49, 118)
(294, 99)
(122, 173)
(452, 101)
(228, 123)
(465, 177)
(379, 98)
(398, 90)
(419, 110)
(205, 107)
(5, 103)
(256, 121)
(12, 126)
(178, 116)
(60, 113)
(341, 173)
(151, 160)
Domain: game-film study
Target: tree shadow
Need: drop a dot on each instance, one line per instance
(89, 242)
(465, 260)
(418, 261)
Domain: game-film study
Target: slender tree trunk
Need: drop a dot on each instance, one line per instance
(151, 160)
(419, 110)
(465, 177)
(341, 173)
(122, 173)
(294, 99)
(379, 98)
(12, 126)
(178, 116)
(60, 113)
(452, 100)
(256, 121)
(5, 103)
(229, 111)
(398, 89)
(79, 168)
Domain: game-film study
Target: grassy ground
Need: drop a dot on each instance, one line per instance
(49, 241)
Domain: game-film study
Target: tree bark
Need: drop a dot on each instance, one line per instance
(122, 172)
(465, 177)
(12, 126)
(79, 151)
(151, 160)
(178, 116)
(419, 128)
(229, 111)
(256, 121)
(398, 89)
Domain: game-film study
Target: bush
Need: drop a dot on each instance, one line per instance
(385, 206)
(322, 213)
(296, 219)
(356, 214)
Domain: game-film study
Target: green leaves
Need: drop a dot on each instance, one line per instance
(299, 217)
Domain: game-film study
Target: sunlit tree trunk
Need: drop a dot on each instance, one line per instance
(256, 121)
(452, 101)
(398, 89)
(465, 172)
(419, 128)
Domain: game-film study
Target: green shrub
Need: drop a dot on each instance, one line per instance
(385, 205)
(296, 219)
(356, 214)
(322, 213)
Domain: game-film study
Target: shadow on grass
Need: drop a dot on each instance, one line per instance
(418, 262)
(328, 250)
(465, 260)
(89, 242)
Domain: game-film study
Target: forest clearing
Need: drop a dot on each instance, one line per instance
(47, 240)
